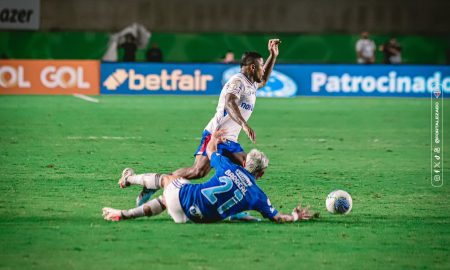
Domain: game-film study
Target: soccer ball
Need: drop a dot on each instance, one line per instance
(339, 202)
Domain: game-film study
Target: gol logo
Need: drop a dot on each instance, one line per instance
(54, 77)
(50, 77)
(12, 77)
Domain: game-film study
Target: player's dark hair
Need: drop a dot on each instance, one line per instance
(249, 58)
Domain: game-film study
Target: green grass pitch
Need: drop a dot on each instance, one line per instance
(61, 157)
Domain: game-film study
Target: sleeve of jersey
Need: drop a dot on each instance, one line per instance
(235, 87)
(215, 160)
(265, 208)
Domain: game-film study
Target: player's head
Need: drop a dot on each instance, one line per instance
(364, 35)
(256, 163)
(252, 64)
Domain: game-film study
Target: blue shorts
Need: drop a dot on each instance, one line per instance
(228, 146)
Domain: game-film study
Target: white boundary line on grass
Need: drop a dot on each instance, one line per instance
(87, 98)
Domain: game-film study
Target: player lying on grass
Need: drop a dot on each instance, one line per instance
(231, 190)
(236, 104)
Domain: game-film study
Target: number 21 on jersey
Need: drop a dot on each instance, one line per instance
(211, 192)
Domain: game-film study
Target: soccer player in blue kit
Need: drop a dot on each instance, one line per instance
(231, 190)
(235, 106)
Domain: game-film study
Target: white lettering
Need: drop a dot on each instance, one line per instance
(382, 84)
(318, 80)
(166, 81)
(152, 82)
(333, 84)
(403, 83)
(418, 85)
(64, 77)
(368, 84)
(11, 77)
(133, 78)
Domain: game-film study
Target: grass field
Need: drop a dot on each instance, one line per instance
(60, 158)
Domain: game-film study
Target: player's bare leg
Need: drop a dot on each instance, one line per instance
(200, 169)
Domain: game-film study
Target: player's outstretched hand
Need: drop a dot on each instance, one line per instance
(304, 213)
(273, 46)
(250, 132)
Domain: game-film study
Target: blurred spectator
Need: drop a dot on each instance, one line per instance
(129, 47)
(229, 57)
(154, 54)
(392, 52)
(365, 49)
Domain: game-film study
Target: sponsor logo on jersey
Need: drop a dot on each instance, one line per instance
(195, 211)
(248, 107)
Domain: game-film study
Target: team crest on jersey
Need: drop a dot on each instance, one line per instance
(195, 211)
(236, 85)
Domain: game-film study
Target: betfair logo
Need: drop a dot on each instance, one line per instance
(116, 79)
(173, 81)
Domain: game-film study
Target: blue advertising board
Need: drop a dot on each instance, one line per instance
(287, 80)
(172, 79)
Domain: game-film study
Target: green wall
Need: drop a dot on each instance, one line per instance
(210, 47)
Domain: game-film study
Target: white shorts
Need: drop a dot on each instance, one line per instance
(172, 197)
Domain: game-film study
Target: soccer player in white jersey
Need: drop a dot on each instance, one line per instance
(231, 190)
(236, 104)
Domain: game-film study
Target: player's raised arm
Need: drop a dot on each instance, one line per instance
(270, 62)
(231, 106)
(216, 138)
(298, 214)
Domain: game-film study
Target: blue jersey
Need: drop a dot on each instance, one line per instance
(230, 191)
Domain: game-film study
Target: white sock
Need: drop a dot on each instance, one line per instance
(148, 180)
(151, 208)
(133, 213)
(154, 207)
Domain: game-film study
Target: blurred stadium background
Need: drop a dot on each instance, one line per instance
(60, 156)
(313, 31)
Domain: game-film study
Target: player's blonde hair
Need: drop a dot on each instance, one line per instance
(256, 161)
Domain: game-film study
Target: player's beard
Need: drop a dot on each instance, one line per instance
(257, 78)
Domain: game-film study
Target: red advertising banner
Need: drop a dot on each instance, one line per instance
(49, 77)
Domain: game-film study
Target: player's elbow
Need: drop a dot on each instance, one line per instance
(230, 100)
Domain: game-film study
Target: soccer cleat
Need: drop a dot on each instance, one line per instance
(244, 216)
(112, 214)
(123, 180)
(144, 196)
